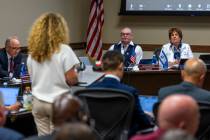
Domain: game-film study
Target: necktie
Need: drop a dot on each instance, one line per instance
(11, 65)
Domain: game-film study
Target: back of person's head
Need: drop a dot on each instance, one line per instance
(177, 30)
(179, 111)
(47, 33)
(111, 60)
(194, 71)
(67, 108)
(75, 131)
(177, 134)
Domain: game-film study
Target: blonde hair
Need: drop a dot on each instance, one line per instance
(47, 33)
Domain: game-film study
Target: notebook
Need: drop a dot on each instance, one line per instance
(9, 95)
(147, 102)
(85, 60)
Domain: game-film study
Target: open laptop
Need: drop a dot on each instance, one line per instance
(9, 95)
(181, 63)
(147, 102)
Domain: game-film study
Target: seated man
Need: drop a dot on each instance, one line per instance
(10, 58)
(66, 108)
(176, 111)
(112, 64)
(193, 77)
(5, 133)
(132, 52)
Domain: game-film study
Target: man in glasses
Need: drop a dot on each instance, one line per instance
(132, 52)
(10, 58)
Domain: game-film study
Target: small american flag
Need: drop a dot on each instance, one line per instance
(133, 58)
(96, 20)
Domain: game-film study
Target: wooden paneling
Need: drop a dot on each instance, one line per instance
(145, 47)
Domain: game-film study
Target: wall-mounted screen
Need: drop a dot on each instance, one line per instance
(165, 7)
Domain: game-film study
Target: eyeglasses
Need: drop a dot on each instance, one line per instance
(15, 48)
(125, 34)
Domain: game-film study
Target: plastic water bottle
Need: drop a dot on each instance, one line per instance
(154, 60)
(23, 70)
(27, 98)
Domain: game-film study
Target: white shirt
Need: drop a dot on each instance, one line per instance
(185, 50)
(48, 78)
(138, 51)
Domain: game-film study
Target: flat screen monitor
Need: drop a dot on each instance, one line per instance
(9, 95)
(165, 7)
(147, 102)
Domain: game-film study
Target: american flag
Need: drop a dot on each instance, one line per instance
(96, 20)
(133, 57)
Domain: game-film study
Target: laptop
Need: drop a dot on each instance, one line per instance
(181, 63)
(145, 61)
(147, 102)
(206, 59)
(9, 95)
(85, 60)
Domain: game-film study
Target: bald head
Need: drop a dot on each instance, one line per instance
(179, 111)
(194, 71)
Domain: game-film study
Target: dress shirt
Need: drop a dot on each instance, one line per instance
(185, 51)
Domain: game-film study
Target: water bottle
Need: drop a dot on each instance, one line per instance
(23, 70)
(154, 60)
(27, 98)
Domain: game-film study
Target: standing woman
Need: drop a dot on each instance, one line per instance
(51, 65)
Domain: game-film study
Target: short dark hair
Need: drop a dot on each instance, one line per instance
(171, 30)
(111, 60)
(68, 108)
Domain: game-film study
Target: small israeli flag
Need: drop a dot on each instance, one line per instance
(163, 60)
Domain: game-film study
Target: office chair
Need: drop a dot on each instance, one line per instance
(203, 132)
(110, 112)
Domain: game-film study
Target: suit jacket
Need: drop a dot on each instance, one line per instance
(4, 64)
(140, 120)
(187, 88)
(8, 134)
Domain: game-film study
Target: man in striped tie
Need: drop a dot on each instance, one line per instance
(132, 52)
(10, 58)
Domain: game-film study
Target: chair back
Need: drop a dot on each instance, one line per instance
(110, 111)
(203, 132)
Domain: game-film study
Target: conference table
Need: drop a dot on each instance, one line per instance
(148, 82)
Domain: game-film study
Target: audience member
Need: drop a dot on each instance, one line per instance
(193, 77)
(112, 64)
(176, 49)
(5, 133)
(65, 108)
(75, 131)
(176, 111)
(132, 52)
(51, 65)
(177, 134)
(10, 58)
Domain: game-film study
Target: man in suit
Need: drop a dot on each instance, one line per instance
(193, 77)
(132, 52)
(10, 58)
(66, 109)
(112, 64)
(5, 133)
(175, 112)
